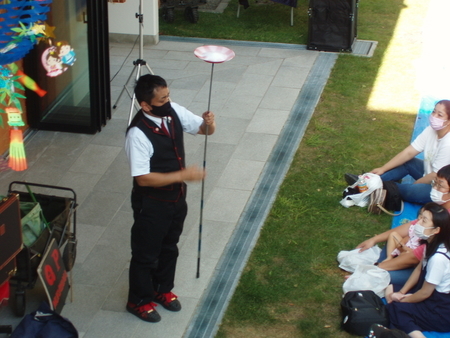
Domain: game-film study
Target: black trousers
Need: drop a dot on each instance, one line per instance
(154, 236)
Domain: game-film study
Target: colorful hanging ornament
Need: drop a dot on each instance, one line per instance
(20, 27)
(17, 159)
(52, 62)
(65, 53)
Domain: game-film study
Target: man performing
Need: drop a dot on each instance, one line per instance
(155, 150)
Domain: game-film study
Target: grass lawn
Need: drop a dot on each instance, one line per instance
(292, 286)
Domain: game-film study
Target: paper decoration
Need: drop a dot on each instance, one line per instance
(17, 159)
(52, 62)
(21, 24)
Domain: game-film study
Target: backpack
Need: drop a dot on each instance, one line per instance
(361, 309)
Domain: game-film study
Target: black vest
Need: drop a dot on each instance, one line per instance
(168, 155)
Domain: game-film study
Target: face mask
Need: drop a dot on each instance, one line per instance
(436, 196)
(163, 110)
(437, 124)
(418, 231)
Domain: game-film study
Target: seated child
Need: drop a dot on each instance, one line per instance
(397, 244)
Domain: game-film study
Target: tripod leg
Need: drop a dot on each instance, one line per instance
(124, 87)
(133, 99)
(149, 69)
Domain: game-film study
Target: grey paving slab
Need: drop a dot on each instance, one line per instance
(87, 236)
(268, 121)
(95, 159)
(113, 179)
(255, 146)
(83, 181)
(231, 202)
(291, 77)
(241, 174)
(99, 208)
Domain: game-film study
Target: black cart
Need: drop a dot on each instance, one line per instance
(58, 212)
(190, 9)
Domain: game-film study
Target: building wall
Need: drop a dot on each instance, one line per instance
(124, 26)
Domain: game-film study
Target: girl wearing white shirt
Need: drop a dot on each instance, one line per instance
(423, 303)
(434, 142)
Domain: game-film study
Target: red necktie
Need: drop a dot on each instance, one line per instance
(163, 127)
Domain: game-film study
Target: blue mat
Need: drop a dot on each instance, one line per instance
(411, 210)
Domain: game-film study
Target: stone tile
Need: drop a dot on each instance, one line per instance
(181, 55)
(240, 106)
(113, 325)
(220, 92)
(87, 236)
(253, 85)
(281, 53)
(229, 130)
(87, 302)
(100, 207)
(268, 121)
(102, 267)
(305, 59)
(118, 295)
(81, 183)
(95, 159)
(231, 201)
(166, 63)
(118, 232)
(291, 77)
(117, 177)
(113, 134)
(194, 83)
(279, 98)
(215, 236)
(266, 68)
(241, 174)
(255, 147)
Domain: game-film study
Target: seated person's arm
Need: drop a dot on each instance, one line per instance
(406, 259)
(427, 178)
(402, 230)
(404, 156)
(425, 291)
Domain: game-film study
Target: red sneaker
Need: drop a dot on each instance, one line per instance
(146, 312)
(168, 300)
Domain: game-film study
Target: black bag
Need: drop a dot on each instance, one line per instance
(393, 199)
(361, 309)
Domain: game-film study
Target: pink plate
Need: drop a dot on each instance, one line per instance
(214, 54)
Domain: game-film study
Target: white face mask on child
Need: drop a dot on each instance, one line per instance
(436, 196)
(419, 231)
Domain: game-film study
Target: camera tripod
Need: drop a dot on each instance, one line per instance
(138, 64)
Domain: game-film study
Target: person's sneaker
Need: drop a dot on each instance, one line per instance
(145, 312)
(168, 300)
(351, 178)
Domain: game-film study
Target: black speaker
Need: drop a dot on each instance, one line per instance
(332, 25)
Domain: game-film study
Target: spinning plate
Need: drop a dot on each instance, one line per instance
(214, 54)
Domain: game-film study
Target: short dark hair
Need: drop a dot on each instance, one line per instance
(146, 85)
(444, 173)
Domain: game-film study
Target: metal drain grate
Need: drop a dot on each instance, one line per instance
(364, 48)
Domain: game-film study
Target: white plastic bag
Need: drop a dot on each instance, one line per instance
(349, 260)
(368, 277)
(373, 182)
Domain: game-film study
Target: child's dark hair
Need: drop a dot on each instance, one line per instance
(441, 219)
(146, 85)
(444, 173)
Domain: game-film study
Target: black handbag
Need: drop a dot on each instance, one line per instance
(361, 309)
